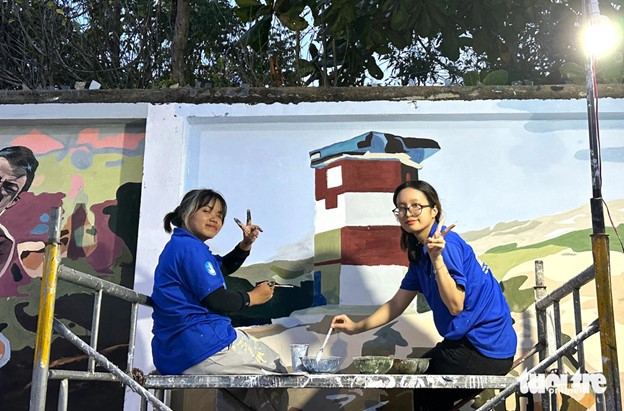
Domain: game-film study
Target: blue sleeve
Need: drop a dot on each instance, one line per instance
(454, 258)
(218, 258)
(410, 281)
(202, 273)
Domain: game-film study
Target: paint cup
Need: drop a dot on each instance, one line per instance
(296, 352)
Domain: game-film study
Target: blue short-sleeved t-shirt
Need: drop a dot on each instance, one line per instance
(486, 319)
(185, 332)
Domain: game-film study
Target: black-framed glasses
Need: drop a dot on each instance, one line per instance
(415, 210)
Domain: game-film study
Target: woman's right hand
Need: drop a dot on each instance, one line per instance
(261, 294)
(345, 324)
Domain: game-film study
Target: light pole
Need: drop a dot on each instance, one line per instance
(599, 238)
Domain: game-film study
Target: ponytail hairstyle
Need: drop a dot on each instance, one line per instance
(409, 242)
(192, 201)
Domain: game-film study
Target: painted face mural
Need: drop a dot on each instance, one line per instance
(17, 170)
(92, 173)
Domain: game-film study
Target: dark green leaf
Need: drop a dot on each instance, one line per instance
(496, 78)
(247, 13)
(480, 41)
(248, 3)
(305, 68)
(399, 19)
(289, 6)
(400, 40)
(314, 52)
(257, 37)
(293, 21)
(373, 69)
(450, 45)
(436, 15)
(609, 73)
(465, 41)
(471, 78)
(573, 72)
(425, 26)
(265, 11)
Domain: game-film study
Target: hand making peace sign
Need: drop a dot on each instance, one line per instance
(436, 243)
(250, 231)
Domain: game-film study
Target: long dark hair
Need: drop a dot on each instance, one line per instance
(192, 201)
(409, 242)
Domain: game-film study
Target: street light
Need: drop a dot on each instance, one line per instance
(600, 36)
(594, 22)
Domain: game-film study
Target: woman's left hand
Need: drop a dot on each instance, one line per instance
(250, 232)
(436, 243)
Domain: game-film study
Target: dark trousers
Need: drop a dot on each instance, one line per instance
(455, 358)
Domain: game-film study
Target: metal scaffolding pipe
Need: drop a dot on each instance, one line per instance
(104, 362)
(576, 282)
(47, 299)
(589, 331)
(95, 283)
(81, 375)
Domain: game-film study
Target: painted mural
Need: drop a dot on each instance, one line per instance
(517, 190)
(514, 193)
(93, 173)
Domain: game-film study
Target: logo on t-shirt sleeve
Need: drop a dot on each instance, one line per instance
(211, 270)
(484, 266)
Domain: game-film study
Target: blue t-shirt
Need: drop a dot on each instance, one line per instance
(186, 332)
(486, 318)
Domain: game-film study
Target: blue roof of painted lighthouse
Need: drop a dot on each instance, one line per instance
(376, 145)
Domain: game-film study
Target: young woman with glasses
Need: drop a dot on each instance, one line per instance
(469, 309)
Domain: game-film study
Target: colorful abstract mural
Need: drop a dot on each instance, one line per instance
(93, 173)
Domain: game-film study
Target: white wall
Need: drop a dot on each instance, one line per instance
(499, 161)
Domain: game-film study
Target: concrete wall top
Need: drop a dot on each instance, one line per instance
(296, 95)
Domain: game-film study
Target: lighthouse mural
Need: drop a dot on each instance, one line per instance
(357, 256)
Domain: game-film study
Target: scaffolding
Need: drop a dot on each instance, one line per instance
(154, 389)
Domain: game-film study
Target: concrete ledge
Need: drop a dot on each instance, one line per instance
(296, 95)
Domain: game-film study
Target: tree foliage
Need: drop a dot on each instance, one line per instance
(142, 44)
(119, 43)
(437, 41)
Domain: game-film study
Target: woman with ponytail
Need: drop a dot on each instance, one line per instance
(192, 332)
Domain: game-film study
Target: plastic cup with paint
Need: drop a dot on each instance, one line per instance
(296, 352)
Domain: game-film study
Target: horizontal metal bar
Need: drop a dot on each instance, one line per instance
(578, 281)
(81, 375)
(95, 283)
(327, 381)
(522, 358)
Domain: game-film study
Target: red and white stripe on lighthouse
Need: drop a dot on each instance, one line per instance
(356, 241)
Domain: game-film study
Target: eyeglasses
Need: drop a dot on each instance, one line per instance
(415, 210)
